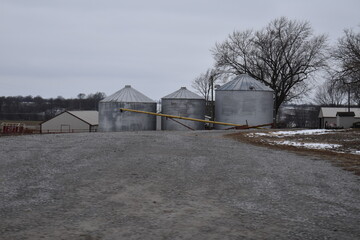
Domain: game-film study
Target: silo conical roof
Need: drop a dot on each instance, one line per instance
(182, 93)
(244, 82)
(128, 94)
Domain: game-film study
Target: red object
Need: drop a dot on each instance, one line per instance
(13, 128)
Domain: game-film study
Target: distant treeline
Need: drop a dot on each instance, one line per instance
(40, 109)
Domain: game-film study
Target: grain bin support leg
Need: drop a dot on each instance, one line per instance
(248, 127)
(181, 124)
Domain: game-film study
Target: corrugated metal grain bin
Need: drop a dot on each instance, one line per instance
(244, 100)
(112, 120)
(182, 103)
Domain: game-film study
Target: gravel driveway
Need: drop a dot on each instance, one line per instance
(169, 185)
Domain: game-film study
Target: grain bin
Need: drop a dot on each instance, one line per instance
(244, 100)
(182, 103)
(112, 120)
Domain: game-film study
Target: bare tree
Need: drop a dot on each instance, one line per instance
(202, 84)
(347, 55)
(283, 56)
(329, 94)
(81, 96)
(356, 95)
(347, 63)
(205, 84)
(94, 99)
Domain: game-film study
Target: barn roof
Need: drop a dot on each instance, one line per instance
(91, 117)
(183, 93)
(329, 112)
(244, 82)
(128, 94)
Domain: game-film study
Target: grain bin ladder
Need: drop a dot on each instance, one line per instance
(238, 126)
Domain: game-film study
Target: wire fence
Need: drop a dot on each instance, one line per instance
(21, 129)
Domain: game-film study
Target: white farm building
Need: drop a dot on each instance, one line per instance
(72, 121)
(330, 117)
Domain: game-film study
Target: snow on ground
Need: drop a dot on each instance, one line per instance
(280, 134)
(297, 132)
(308, 145)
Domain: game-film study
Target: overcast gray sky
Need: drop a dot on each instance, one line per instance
(64, 47)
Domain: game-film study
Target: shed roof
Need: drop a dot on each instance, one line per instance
(329, 112)
(182, 93)
(128, 94)
(345, 114)
(91, 117)
(244, 82)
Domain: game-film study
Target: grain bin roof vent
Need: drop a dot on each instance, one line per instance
(128, 94)
(244, 82)
(182, 93)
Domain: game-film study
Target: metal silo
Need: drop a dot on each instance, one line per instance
(244, 100)
(182, 103)
(112, 120)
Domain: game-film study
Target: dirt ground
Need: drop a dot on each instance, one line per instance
(170, 185)
(344, 156)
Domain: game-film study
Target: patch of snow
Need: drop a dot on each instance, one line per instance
(357, 152)
(309, 145)
(250, 135)
(297, 132)
(262, 134)
(303, 132)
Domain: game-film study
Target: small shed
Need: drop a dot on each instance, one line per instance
(345, 119)
(328, 118)
(71, 122)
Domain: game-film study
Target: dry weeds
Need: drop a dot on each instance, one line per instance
(343, 156)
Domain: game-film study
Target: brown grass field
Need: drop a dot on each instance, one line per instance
(344, 156)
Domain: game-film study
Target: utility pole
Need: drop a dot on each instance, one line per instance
(212, 97)
(274, 112)
(349, 97)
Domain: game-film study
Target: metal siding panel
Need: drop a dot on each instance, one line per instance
(255, 107)
(192, 108)
(112, 120)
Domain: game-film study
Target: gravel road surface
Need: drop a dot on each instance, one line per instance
(169, 185)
